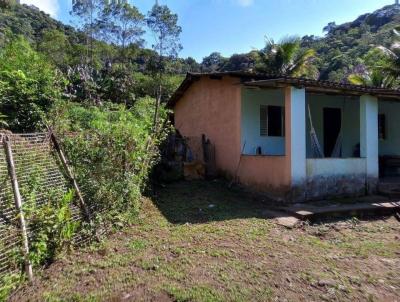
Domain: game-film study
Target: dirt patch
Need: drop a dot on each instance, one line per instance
(183, 249)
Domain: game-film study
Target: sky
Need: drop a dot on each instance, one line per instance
(238, 26)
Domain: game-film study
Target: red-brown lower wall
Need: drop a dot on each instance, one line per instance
(265, 174)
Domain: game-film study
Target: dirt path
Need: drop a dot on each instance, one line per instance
(200, 241)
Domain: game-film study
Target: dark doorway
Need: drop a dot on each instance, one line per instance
(332, 125)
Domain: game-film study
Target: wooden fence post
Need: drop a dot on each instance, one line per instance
(18, 205)
(71, 176)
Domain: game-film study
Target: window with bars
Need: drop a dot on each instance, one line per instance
(272, 121)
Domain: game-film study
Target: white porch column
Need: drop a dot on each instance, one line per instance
(369, 139)
(295, 139)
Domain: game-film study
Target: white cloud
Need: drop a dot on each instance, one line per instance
(49, 6)
(245, 3)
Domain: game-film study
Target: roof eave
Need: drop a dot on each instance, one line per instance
(276, 81)
(325, 87)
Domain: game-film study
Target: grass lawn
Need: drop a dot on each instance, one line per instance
(200, 241)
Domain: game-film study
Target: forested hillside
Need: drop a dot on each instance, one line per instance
(342, 51)
(33, 23)
(346, 46)
(67, 46)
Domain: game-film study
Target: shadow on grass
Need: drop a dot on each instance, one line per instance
(207, 201)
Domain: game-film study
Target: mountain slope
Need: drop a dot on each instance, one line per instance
(345, 45)
(31, 23)
(339, 52)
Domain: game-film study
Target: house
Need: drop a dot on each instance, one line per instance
(293, 138)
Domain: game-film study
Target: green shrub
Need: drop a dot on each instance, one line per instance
(52, 225)
(47, 207)
(144, 85)
(112, 151)
(28, 86)
(8, 284)
(48, 215)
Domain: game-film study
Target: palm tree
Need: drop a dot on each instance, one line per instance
(377, 69)
(287, 58)
(392, 66)
(374, 77)
(382, 67)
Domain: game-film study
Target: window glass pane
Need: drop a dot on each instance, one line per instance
(275, 121)
(382, 126)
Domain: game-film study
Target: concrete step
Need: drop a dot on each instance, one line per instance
(281, 218)
(367, 206)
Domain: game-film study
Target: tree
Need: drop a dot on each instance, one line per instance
(56, 47)
(372, 72)
(330, 27)
(382, 67)
(372, 77)
(214, 62)
(28, 86)
(121, 24)
(287, 58)
(7, 3)
(87, 11)
(183, 66)
(163, 24)
(242, 62)
(392, 54)
(118, 84)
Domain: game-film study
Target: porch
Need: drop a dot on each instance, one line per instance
(328, 145)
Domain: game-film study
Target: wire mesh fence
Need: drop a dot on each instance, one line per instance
(40, 174)
(10, 238)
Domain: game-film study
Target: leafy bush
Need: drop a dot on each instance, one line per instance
(47, 206)
(52, 224)
(145, 85)
(9, 283)
(28, 86)
(47, 209)
(112, 151)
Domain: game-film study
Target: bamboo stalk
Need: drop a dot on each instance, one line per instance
(71, 177)
(18, 205)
